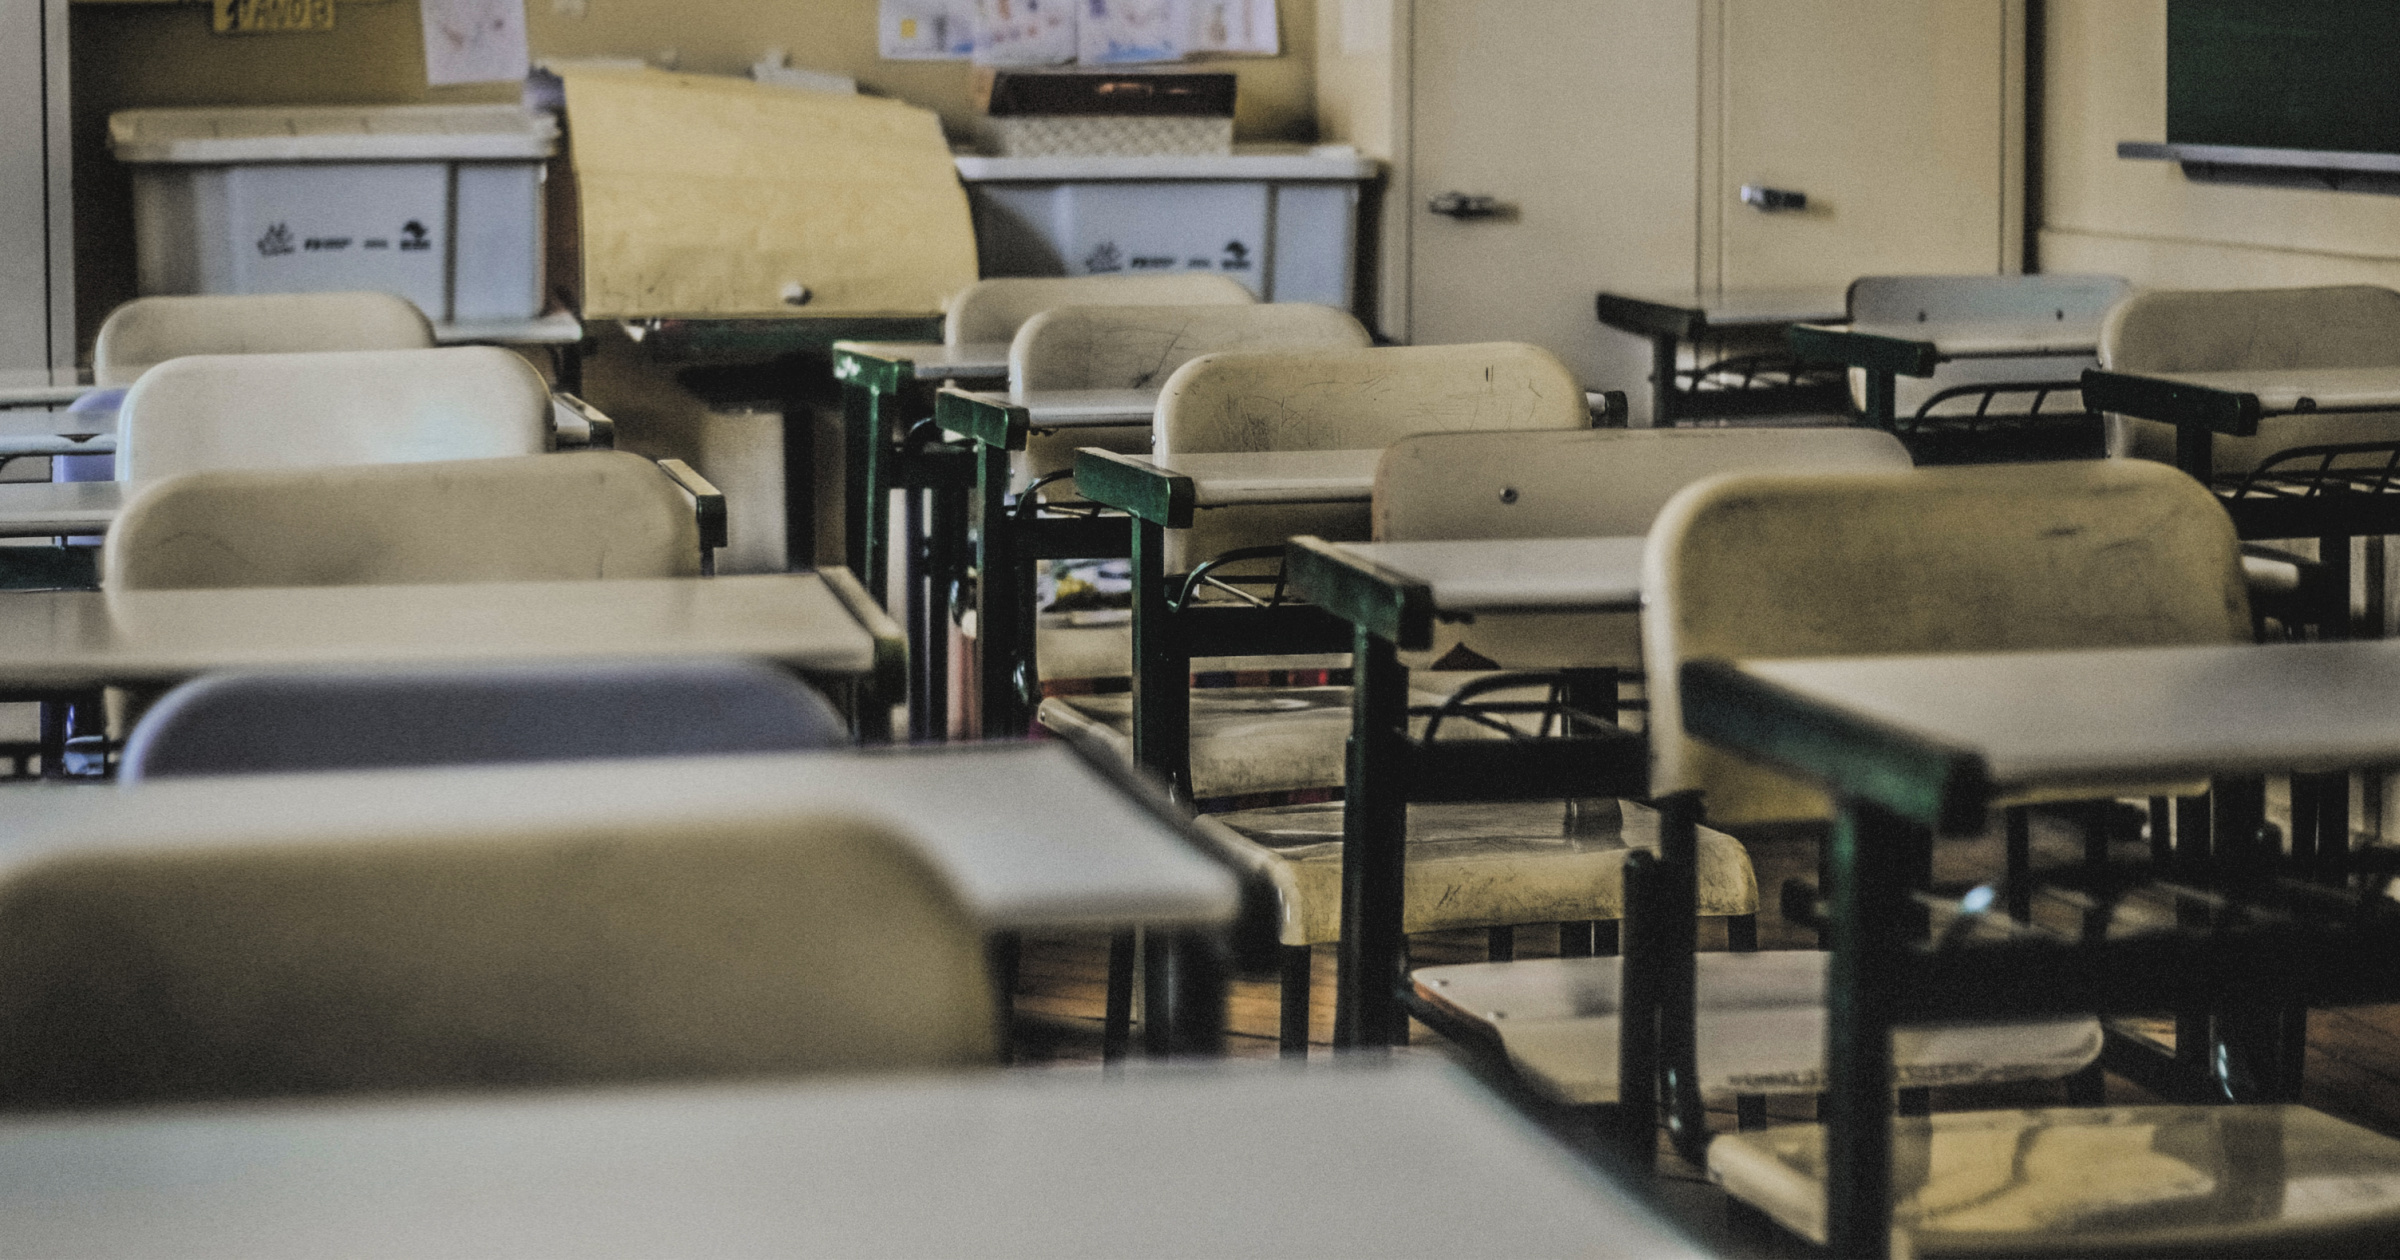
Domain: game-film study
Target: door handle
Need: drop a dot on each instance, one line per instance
(1762, 197)
(1458, 205)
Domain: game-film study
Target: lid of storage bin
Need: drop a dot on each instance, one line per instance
(337, 133)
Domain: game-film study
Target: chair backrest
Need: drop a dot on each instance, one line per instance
(993, 310)
(2088, 554)
(592, 514)
(1597, 483)
(1347, 399)
(447, 960)
(350, 407)
(2061, 299)
(380, 718)
(146, 332)
(2223, 330)
(1139, 347)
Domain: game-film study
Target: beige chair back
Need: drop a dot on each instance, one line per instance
(146, 332)
(1347, 399)
(595, 514)
(810, 944)
(2223, 330)
(209, 412)
(993, 310)
(2090, 554)
(1596, 483)
(1140, 347)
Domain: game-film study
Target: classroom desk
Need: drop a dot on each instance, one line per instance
(819, 624)
(1391, 594)
(1009, 538)
(887, 400)
(1933, 741)
(41, 395)
(1669, 319)
(1884, 351)
(50, 509)
(1169, 1162)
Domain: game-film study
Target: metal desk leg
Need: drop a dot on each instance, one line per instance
(1883, 408)
(996, 604)
(2196, 450)
(799, 467)
(862, 426)
(1869, 896)
(1367, 1010)
(1184, 984)
(1162, 691)
(1663, 365)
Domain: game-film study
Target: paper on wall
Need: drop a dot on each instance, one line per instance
(704, 195)
(230, 16)
(1234, 26)
(1024, 32)
(474, 41)
(926, 30)
(1130, 32)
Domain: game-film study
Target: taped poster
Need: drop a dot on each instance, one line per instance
(1024, 32)
(474, 41)
(1236, 27)
(926, 30)
(1131, 32)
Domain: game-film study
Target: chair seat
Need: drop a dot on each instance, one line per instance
(1761, 1030)
(2180, 1181)
(1479, 864)
(1245, 740)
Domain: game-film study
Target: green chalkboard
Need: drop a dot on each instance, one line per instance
(2285, 74)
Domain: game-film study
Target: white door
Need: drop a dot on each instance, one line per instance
(1577, 118)
(1900, 120)
(36, 328)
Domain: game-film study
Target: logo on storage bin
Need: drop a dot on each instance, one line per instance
(414, 237)
(278, 240)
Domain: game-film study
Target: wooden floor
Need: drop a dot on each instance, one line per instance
(2353, 1068)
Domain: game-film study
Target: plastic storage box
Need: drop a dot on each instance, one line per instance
(441, 204)
(1281, 219)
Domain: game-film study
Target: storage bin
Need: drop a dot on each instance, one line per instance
(1283, 220)
(440, 204)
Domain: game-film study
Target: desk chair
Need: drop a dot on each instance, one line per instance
(363, 718)
(1950, 416)
(1111, 348)
(575, 956)
(2078, 555)
(993, 310)
(146, 332)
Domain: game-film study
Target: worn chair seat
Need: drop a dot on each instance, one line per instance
(1478, 864)
(1761, 1030)
(2152, 1181)
(1245, 740)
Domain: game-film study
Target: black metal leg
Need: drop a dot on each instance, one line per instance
(1868, 894)
(1663, 364)
(1749, 1112)
(1187, 985)
(946, 570)
(1298, 971)
(1575, 940)
(2196, 450)
(1605, 938)
(1882, 399)
(1367, 1010)
(799, 468)
(1500, 944)
(54, 738)
(862, 411)
(996, 605)
(1638, 1050)
(1162, 694)
(1741, 933)
(916, 597)
(2018, 821)
(1116, 1025)
(1676, 937)
(1006, 952)
(1158, 1007)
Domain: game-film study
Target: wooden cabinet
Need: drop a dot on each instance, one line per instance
(1613, 138)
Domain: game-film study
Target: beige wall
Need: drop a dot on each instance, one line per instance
(2105, 71)
(137, 54)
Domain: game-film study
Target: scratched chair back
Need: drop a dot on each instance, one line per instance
(208, 412)
(408, 956)
(1347, 398)
(2223, 330)
(146, 332)
(2084, 554)
(596, 514)
(993, 310)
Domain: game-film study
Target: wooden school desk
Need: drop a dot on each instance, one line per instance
(1668, 320)
(1165, 1162)
(1391, 593)
(1931, 741)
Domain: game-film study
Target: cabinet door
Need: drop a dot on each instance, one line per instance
(1899, 119)
(1576, 117)
(33, 277)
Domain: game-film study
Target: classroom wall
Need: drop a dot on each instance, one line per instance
(2105, 81)
(132, 54)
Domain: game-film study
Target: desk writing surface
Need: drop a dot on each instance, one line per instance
(54, 638)
(1078, 408)
(1028, 835)
(1738, 308)
(2047, 338)
(13, 445)
(41, 509)
(1220, 1161)
(2283, 389)
(22, 393)
(1519, 574)
(2121, 715)
(1225, 479)
(934, 360)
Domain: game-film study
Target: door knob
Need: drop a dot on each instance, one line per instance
(1458, 205)
(1765, 198)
